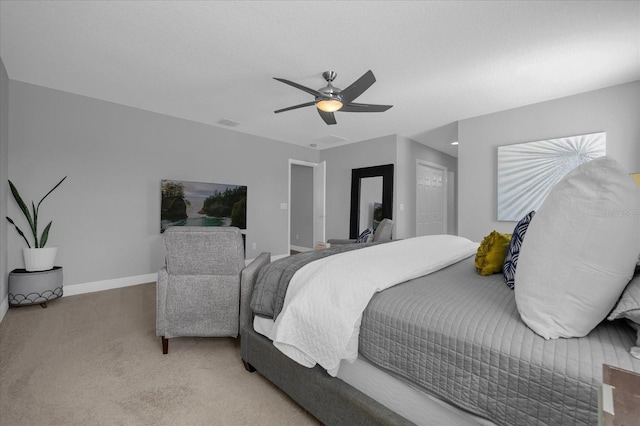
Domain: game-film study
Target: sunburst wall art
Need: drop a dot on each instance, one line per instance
(528, 171)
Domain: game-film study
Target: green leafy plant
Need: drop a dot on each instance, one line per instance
(32, 217)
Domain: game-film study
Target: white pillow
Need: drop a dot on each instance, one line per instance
(580, 251)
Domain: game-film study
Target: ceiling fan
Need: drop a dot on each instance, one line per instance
(330, 99)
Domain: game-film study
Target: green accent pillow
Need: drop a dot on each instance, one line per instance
(491, 253)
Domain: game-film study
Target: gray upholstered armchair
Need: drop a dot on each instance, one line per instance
(199, 291)
(382, 234)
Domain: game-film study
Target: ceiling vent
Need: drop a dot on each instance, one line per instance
(330, 139)
(228, 123)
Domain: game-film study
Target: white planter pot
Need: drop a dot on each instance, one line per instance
(39, 259)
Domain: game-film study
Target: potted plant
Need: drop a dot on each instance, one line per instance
(36, 257)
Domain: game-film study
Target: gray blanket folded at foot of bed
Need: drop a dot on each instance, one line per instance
(273, 280)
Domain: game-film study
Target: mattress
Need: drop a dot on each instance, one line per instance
(458, 336)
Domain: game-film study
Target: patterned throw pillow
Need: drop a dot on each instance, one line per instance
(362, 238)
(511, 258)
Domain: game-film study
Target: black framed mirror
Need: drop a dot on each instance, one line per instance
(357, 175)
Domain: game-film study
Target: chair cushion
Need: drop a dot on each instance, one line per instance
(197, 250)
(384, 231)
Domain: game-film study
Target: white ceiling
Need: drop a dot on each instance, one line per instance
(436, 61)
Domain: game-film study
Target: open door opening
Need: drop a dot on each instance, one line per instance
(307, 198)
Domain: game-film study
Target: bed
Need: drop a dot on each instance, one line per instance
(438, 343)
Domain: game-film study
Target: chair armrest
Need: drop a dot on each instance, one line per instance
(340, 242)
(247, 281)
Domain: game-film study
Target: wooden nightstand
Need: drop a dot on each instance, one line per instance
(619, 398)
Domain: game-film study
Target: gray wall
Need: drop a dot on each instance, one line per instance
(106, 215)
(340, 160)
(615, 110)
(4, 187)
(398, 150)
(301, 206)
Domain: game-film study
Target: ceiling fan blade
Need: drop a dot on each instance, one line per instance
(358, 87)
(328, 117)
(306, 104)
(301, 87)
(364, 108)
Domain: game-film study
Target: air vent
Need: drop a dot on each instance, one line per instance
(228, 123)
(330, 139)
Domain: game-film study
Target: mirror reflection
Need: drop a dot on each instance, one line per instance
(370, 201)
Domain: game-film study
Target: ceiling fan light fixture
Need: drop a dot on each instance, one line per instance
(329, 105)
(330, 99)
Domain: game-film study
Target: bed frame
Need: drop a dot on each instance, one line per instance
(329, 399)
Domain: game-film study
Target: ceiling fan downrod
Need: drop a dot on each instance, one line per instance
(329, 76)
(330, 92)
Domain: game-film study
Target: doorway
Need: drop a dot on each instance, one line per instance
(307, 198)
(431, 199)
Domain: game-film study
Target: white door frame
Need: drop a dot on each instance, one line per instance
(315, 184)
(445, 186)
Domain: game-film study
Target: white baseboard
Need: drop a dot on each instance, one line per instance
(72, 290)
(4, 307)
(300, 248)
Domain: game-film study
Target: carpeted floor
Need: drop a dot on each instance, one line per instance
(94, 359)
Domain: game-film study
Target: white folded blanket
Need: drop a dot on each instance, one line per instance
(320, 319)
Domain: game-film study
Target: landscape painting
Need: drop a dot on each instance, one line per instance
(202, 204)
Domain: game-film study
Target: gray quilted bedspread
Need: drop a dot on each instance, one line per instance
(273, 280)
(459, 336)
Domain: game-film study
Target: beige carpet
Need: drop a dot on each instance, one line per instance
(94, 359)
